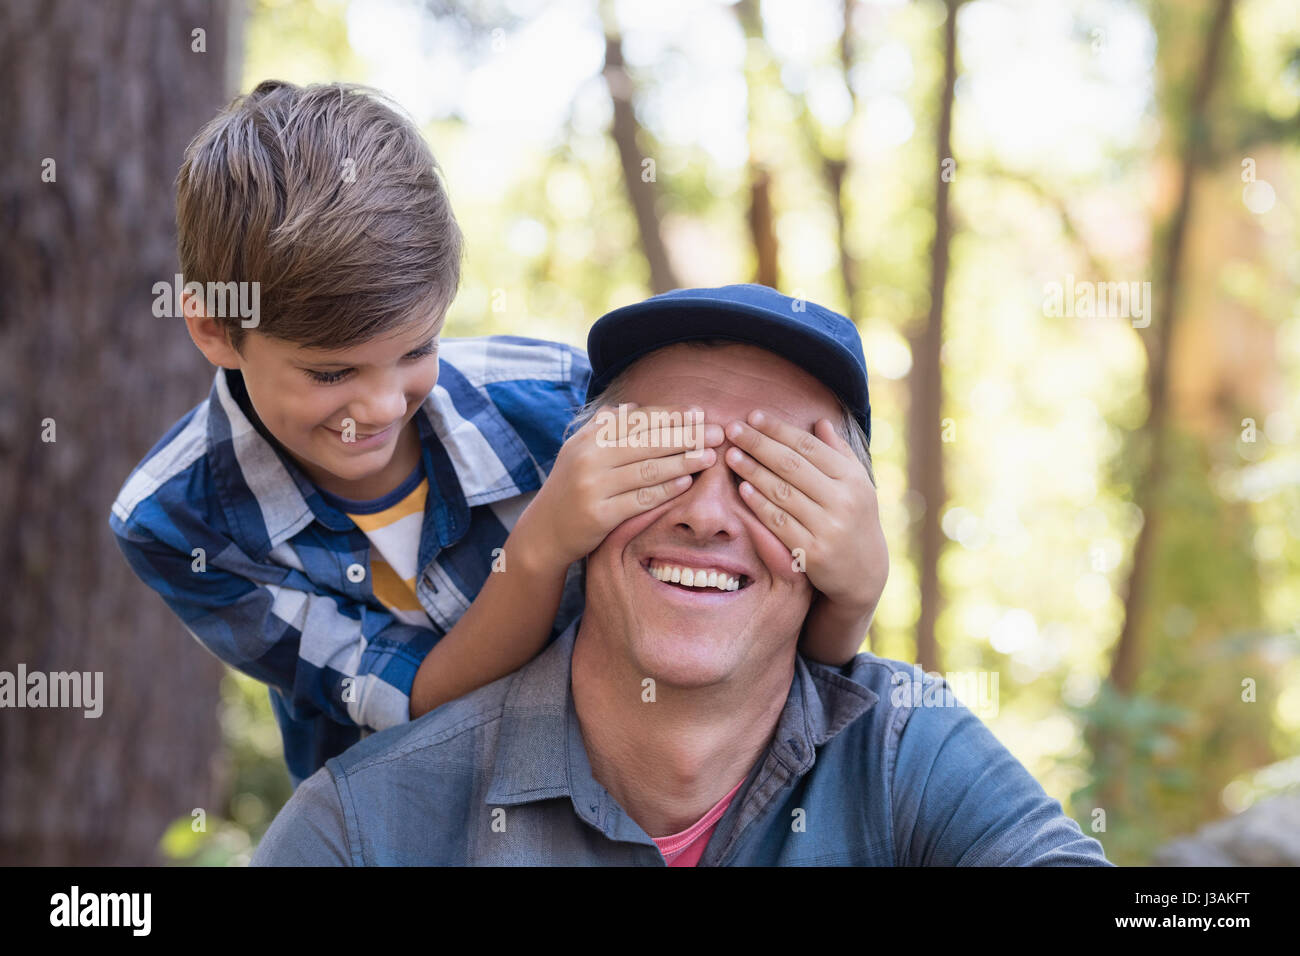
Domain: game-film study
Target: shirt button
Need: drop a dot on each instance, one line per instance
(356, 573)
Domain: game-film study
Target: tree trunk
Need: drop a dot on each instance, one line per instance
(111, 93)
(762, 227)
(1158, 340)
(640, 185)
(925, 444)
(1106, 744)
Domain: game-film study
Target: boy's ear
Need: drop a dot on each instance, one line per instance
(210, 336)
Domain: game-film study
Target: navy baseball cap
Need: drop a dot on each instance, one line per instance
(824, 343)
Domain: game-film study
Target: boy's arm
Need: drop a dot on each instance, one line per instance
(325, 654)
(831, 634)
(599, 480)
(504, 627)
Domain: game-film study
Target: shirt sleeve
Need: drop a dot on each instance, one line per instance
(325, 653)
(541, 409)
(310, 830)
(961, 799)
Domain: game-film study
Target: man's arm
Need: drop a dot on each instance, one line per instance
(310, 830)
(961, 799)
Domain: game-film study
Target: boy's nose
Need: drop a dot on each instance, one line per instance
(378, 412)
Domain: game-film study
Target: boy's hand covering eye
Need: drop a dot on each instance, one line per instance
(810, 490)
(621, 463)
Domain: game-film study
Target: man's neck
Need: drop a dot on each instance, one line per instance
(667, 762)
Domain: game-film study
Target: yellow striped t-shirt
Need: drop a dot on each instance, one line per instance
(393, 524)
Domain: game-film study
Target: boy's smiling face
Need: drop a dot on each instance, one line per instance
(307, 398)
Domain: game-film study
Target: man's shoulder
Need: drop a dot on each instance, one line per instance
(486, 360)
(897, 685)
(877, 672)
(455, 728)
(903, 696)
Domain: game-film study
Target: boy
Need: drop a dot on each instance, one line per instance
(328, 521)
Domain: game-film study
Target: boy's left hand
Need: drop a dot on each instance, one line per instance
(810, 490)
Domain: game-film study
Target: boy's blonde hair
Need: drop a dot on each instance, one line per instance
(330, 199)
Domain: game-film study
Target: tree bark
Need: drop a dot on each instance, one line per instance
(640, 190)
(111, 93)
(1158, 339)
(762, 217)
(925, 444)
(762, 228)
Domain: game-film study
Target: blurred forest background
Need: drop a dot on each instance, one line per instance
(1102, 510)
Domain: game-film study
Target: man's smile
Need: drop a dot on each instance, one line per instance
(696, 580)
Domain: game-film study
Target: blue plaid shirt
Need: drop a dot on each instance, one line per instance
(277, 593)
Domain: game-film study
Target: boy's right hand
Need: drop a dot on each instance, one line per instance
(612, 469)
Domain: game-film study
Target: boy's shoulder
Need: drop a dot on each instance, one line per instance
(166, 467)
(485, 360)
(535, 386)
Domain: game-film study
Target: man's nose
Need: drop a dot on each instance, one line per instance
(712, 505)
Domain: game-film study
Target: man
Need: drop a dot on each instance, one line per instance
(674, 724)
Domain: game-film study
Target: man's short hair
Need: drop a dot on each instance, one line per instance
(848, 427)
(328, 196)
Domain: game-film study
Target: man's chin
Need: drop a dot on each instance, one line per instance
(688, 658)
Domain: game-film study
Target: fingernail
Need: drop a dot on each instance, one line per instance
(734, 429)
(757, 418)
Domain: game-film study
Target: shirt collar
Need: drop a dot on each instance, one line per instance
(541, 754)
(267, 498)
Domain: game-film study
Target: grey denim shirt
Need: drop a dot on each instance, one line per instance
(853, 775)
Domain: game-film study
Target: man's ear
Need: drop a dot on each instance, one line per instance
(210, 336)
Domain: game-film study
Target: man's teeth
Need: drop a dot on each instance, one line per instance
(696, 577)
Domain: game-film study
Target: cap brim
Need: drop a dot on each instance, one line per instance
(643, 327)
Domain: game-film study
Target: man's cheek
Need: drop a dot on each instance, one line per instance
(632, 527)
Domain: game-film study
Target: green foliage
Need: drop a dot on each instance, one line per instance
(257, 783)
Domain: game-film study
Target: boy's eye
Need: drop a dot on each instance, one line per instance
(329, 378)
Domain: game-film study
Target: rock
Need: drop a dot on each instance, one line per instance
(1266, 834)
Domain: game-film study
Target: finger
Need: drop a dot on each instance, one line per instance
(629, 417)
(653, 471)
(776, 519)
(653, 417)
(656, 444)
(830, 434)
(774, 488)
(643, 432)
(826, 431)
(783, 460)
(827, 457)
(632, 503)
